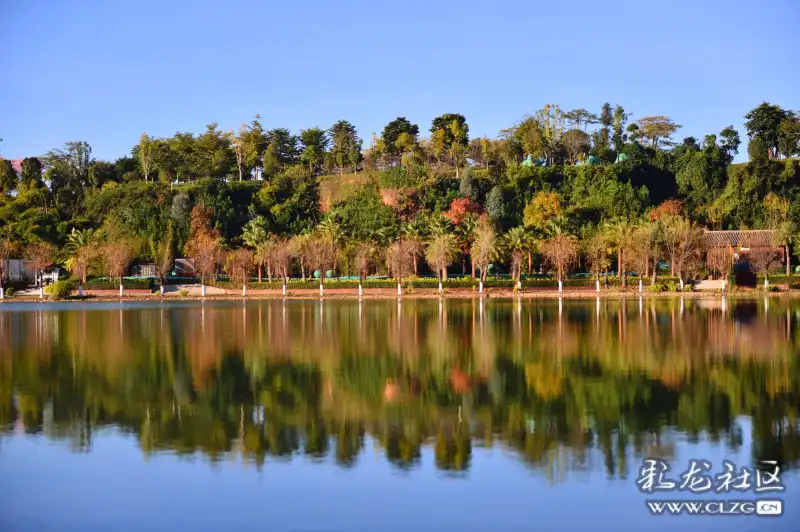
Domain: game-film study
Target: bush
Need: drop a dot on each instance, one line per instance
(60, 289)
(657, 287)
(184, 292)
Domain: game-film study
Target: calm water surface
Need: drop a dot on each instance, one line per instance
(420, 415)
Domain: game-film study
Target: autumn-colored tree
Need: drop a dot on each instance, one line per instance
(41, 254)
(460, 208)
(281, 257)
(683, 244)
(117, 257)
(560, 252)
(671, 207)
(320, 254)
(542, 209)
(238, 264)
(204, 245)
(597, 254)
(364, 254)
(206, 251)
(485, 248)
(400, 257)
(719, 261)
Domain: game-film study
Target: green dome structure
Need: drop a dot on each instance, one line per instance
(621, 157)
(317, 274)
(329, 274)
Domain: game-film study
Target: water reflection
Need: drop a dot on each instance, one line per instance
(566, 385)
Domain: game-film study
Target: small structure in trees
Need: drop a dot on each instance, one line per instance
(755, 250)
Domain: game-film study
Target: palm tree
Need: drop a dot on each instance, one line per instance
(80, 251)
(485, 248)
(785, 233)
(517, 242)
(415, 232)
(440, 252)
(621, 233)
(255, 235)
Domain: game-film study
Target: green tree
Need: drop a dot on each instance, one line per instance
(392, 132)
(345, 139)
(254, 141)
(450, 133)
(8, 177)
(213, 156)
(764, 123)
(314, 143)
(620, 119)
(31, 172)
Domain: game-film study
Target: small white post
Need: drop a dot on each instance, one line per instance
(399, 289)
(519, 284)
(203, 290)
(161, 289)
(244, 290)
(2, 293)
(80, 290)
(560, 288)
(41, 292)
(121, 290)
(597, 285)
(766, 282)
(680, 283)
(321, 289)
(440, 287)
(640, 286)
(360, 289)
(480, 286)
(283, 288)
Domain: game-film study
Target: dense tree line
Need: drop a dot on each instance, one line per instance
(558, 190)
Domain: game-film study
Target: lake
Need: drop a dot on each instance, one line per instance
(385, 415)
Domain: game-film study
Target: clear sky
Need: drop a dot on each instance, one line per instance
(104, 71)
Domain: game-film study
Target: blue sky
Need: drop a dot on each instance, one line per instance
(105, 71)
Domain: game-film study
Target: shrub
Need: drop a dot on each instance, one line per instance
(60, 289)
(184, 292)
(656, 287)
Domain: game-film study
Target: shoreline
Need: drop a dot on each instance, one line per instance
(387, 294)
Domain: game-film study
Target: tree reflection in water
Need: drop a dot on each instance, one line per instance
(576, 386)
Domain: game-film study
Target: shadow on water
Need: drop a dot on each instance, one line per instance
(580, 385)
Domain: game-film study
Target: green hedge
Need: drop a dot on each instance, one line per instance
(127, 284)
